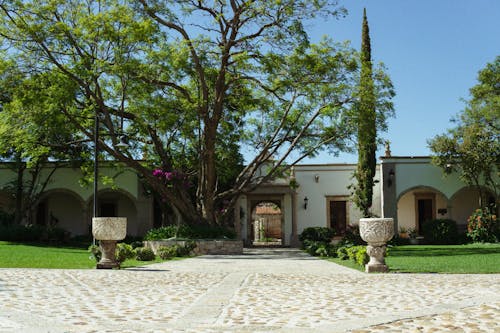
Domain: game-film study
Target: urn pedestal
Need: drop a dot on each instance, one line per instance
(376, 232)
(108, 230)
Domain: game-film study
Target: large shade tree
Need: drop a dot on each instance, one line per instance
(35, 139)
(192, 83)
(472, 147)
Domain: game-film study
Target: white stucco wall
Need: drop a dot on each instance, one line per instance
(417, 172)
(333, 181)
(68, 179)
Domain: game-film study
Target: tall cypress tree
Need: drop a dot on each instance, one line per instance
(367, 127)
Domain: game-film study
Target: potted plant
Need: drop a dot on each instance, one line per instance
(412, 234)
(403, 232)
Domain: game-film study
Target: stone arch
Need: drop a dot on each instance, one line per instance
(422, 188)
(268, 219)
(254, 222)
(62, 208)
(464, 201)
(417, 204)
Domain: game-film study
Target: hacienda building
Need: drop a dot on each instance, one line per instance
(409, 189)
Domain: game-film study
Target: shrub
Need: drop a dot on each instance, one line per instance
(167, 252)
(440, 231)
(136, 244)
(6, 218)
(351, 252)
(190, 232)
(123, 252)
(95, 252)
(144, 254)
(355, 253)
(352, 236)
(32, 233)
(56, 234)
(482, 226)
(185, 250)
(342, 253)
(362, 257)
(318, 234)
(311, 246)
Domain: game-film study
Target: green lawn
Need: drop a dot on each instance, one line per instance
(467, 259)
(16, 255)
(470, 258)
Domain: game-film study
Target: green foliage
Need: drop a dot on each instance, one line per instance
(190, 232)
(472, 147)
(6, 218)
(32, 233)
(189, 100)
(318, 234)
(144, 254)
(356, 254)
(367, 130)
(483, 226)
(440, 231)
(352, 236)
(169, 252)
(136, 244)
(342, 253)
(95, 252)
(362, 258)
(123, 252)
(317, 241)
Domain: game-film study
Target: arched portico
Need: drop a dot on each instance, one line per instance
(62, 208)
(117, 203)
(419, 204)
(465, 201)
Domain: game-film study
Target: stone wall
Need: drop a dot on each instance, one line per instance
(203, 246)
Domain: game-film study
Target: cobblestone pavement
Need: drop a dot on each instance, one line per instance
(279, 290)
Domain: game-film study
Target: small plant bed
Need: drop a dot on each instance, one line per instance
(461, 259)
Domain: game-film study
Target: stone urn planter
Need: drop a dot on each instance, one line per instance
(376, 232)
(108, 230)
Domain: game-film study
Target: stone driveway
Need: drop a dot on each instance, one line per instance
(280, 290)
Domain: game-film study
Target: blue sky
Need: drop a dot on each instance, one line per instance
(433, 51)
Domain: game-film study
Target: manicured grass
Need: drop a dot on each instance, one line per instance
(463, 259)
(470, 258)
(16, 255)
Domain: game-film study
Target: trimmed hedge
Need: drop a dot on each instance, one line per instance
(440, 231)
(189, 232)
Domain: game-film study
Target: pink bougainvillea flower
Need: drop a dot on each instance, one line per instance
(157, 173)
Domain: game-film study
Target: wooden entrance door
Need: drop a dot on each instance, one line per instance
(425, 208)
(338, 216)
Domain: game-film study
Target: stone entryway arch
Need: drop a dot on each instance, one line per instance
(267, 223)
(265, 203)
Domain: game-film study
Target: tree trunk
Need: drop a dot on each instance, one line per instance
(209, 175)
(20, 167)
